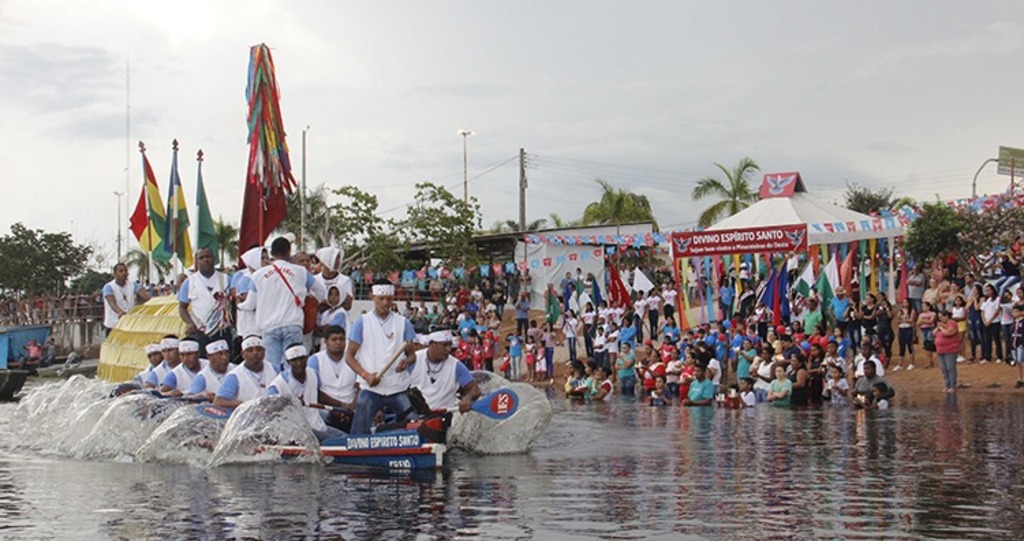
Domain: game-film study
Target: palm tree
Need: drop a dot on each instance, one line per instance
(511, 226)
(558, 222)
(617, 206)
(139, 260)
(734, 194)
(227, 240)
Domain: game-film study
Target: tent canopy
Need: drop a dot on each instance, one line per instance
(801, 208)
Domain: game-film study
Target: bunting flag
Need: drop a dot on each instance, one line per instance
(269, 174)
(207, 234)
(149, 220)
(176, 229)
(618, 295)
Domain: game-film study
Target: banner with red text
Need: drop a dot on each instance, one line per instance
(753, 240)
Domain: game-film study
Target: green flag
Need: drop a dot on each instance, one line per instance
(207, 234)
(828, 281)
(803, 283)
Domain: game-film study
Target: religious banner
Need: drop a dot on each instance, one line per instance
(768, 239)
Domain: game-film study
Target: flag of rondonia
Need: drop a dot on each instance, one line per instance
(176, 232)
(148, 220)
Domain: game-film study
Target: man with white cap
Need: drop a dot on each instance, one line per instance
(169, 351)
(338, 385)
(208, 380)
(280, 289)
(179, 379)
(373, 340)
(305, 386)
(155, 358)
(248, 380)
(203, 301)
(441, 378)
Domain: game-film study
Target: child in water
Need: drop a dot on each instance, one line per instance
(747, 395)
(837, 388)
(658, 396)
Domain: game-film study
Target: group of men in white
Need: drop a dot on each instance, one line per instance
(364, 364)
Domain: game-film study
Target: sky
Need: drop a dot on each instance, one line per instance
(647, 95)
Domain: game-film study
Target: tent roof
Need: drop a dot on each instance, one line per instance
(802, 208)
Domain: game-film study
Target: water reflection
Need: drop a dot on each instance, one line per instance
(933, 466)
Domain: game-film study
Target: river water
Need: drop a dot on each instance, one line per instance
(934, 466)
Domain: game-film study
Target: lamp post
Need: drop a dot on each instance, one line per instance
(302, 195)
(119, 196)
(974, 183)
(465, 163)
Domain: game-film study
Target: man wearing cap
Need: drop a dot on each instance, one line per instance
(203, 302)
(208, 380)
(169, 351)
(179, 379)
(338, 385)
(280, 289)
(440, 377)
(249, 380)
(374, 339)
(119, 297)
(304, 385)
(155, 358)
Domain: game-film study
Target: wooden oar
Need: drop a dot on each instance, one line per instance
(399, 353)
(337, 409)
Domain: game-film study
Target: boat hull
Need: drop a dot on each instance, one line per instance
(393, 450)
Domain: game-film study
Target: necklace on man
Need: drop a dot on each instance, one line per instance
(432, 373)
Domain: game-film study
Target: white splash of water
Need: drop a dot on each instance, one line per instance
(186, 437)
(477, 433)
(257, 426)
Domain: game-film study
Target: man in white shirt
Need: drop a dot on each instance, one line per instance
(155, 358)
(203, 302)
(241, 284)
(169, 351)
(249, 380)
(206, 383)
(280, 289)
(179, 379)
(119, 296)
(338, 385)
(444, 381)
(867, 353)
(305, 386)
(373, 340)
(669, 294)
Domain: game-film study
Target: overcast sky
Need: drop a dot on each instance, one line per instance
(648, 95)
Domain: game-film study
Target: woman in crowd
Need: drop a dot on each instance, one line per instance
(781, 388)
(762, 370)
(975, 324)
(626, 366)
(958, 312)
(991, 320)
(948, 346)
(883, 326)
(800, 379)
(926, 326)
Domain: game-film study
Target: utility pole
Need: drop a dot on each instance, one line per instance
(465, 165)
(119, 196)
(522, 190)
(302, 195)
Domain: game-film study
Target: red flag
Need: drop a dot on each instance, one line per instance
(846, 271)
(140, 218)
(617, 292)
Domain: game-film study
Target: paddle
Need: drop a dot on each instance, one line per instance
(399, 353)
(214, 412)
(337, 409)
(499, 405)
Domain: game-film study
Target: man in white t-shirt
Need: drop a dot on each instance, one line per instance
(179, 379)
(249, 380)
(280, 289)
(338, 385)
(203, 302)
(669, 295)
(373, 340)
(119, 296)
(444, 381)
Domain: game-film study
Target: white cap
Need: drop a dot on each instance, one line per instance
(217, 347)
(295, 352)
(188, 346)
(152, 348)
(169, 343)
(440, 336)
(252, 341)
(383, 290)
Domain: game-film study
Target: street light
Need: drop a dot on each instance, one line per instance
(465, 168)
(119, 196)
(974, 183)
(302, 195)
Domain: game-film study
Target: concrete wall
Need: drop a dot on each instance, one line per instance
(83, 336)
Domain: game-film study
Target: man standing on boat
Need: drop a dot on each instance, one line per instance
(281, 288)
(203, 302)
(338, 385)
(374, 339)
(169, 350)
(249, 380)
(441, 378)
(179, 379)
(208, 380)
(119, 296)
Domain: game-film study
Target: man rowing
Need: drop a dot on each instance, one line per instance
(155, 358)
(338, 385)
(441, 378)
(304, 385)
(208, 380)
(249, 380)
(374, 339)
(169, 351)
(179, 379)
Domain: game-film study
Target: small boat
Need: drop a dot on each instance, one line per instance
(73, 365)
(12, 343)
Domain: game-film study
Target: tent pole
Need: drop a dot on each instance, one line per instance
(892, 274)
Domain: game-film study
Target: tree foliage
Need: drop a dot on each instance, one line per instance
(937, 229)
(227, 241)
(365, 236)
(988, 228)
(139, 260)
(734, 193)
(90, 283)
(444, 223)
(865, 200)
(318, 227)
(37, 262)
(512, 226)
(617, 206)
